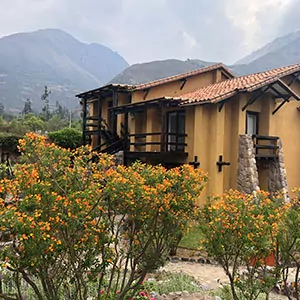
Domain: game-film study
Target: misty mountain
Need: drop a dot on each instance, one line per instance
(52, 57)
(281, 52)
(144, 72)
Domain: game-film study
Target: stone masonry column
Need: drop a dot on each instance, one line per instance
(277, 174)
(247, 170)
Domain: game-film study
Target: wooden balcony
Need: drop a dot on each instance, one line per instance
(266, 147)
(156, 144)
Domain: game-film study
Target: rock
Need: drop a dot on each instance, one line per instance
(154, 295)
(185, 293)
(205, 287)
(175, 259)
(201, 261)
(185, 259)
(218, 298)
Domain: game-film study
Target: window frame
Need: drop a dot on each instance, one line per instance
(256, 114)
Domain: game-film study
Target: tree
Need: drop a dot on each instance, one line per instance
(241, 231)
(55, 123)
(289, 248)
(33, 123)
(66, 138)
(46, 114)
(27, 107)
(61, 111)
(2, 109)
(86, 227)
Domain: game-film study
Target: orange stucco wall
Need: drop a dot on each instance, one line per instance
(211, 133)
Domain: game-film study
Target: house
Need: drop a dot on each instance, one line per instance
(244, 131)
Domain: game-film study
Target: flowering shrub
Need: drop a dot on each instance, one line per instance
(75, 218)
(240, 232)
(289, 247)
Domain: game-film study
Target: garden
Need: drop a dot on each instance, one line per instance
(74, 225)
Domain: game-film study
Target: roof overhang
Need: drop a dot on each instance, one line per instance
(104, 90)
(141, 106)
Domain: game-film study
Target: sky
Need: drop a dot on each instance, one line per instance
(146, 30)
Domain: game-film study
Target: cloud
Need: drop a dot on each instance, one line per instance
(144, 30)
(290, 20)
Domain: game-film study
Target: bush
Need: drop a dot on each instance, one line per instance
(240, 231)
(9, 141)
(68, 138)
(87, 228)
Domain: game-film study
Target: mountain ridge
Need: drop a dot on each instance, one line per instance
(52, 57)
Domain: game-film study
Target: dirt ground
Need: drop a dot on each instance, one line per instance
(209, 276)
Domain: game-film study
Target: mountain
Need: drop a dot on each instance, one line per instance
(140, 73)
(281, 52)
(29, 61)
(273, 47)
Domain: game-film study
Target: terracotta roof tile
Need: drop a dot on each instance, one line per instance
(225, 89)
(181, 76)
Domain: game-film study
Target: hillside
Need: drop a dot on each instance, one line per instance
(140, 73)
(28, 61)
(282, 51)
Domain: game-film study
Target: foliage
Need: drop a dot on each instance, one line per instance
(46, 114)
(83, 220)
(67, 138)
(61, 111)
(192, 239)
(27, 107)
(165, 283)
(55, 123)
(289, 247)
(9, 141)
(240, 231)
(33, 123)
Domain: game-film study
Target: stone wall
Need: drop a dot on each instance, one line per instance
(277, 174)
(248, 180)
(247, 170)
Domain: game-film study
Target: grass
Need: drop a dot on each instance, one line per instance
(192, 240)
(165, 283)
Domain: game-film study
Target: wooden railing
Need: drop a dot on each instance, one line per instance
(266, 147)
(165, 142)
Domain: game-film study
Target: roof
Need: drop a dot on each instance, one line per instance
(105, 88)
(158, 82)
(183, 76)
(223, 90)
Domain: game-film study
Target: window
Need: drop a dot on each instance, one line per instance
(176, 131)
(252, 123)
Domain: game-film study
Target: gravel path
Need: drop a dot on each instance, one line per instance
(209, 276)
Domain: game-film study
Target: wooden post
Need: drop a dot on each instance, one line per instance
(114, 116)
(99, 121)
(126, 130)
(163, 131)
(84, 103)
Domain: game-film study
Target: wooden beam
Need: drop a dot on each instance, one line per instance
(99, 121)
(254, 98)
(114, 116)
(146, 93)
(280, 105)
(221, 106)
(295, 77)
(84, 107)
(183, 83)
(163, 130)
